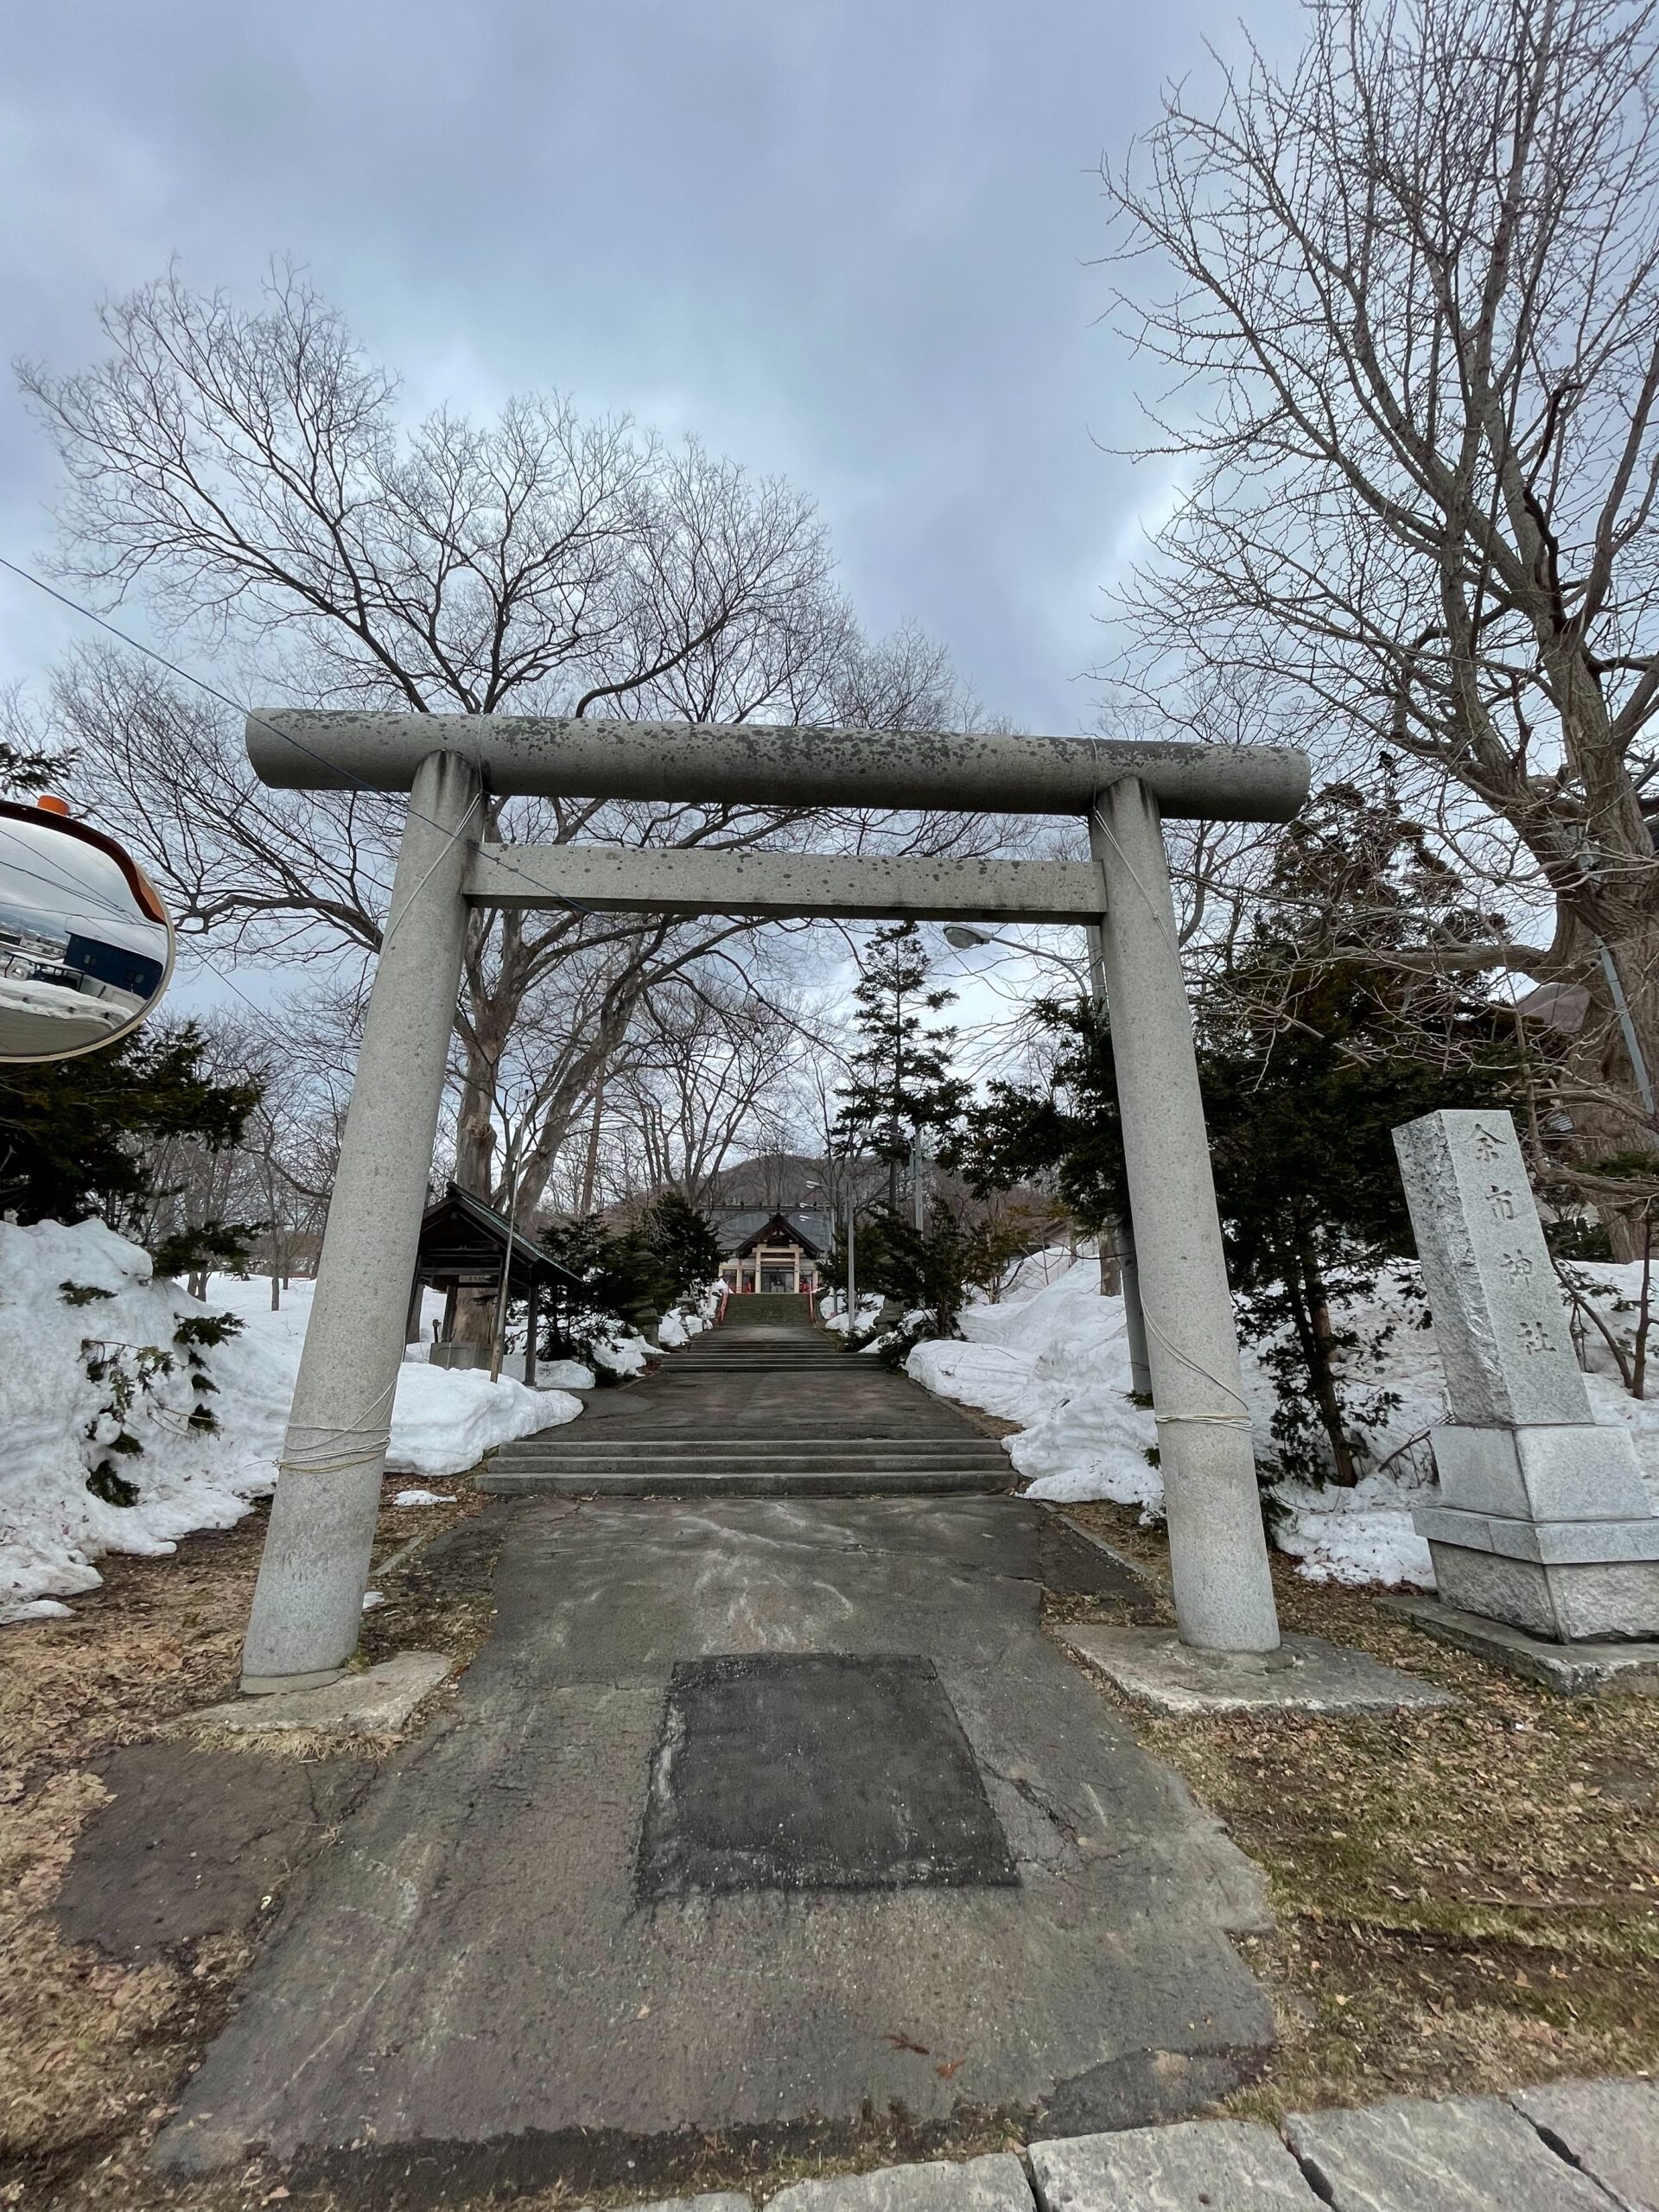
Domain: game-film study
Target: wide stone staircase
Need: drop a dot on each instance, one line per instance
(766, 1405)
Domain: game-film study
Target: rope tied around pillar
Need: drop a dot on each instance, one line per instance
(330, 1466)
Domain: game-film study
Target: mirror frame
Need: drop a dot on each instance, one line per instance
(142, 890)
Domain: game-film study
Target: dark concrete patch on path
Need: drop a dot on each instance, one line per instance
(814, 1771)
(474, 1988)
(193, 1843)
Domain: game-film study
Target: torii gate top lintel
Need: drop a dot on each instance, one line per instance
(764, 764)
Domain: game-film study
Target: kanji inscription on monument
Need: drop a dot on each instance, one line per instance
(1499, 1318)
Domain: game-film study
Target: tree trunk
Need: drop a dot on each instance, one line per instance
(590, 1165)
(1325, 1381)
(1312, 1311)
(1643, 1313)
(475, 1127)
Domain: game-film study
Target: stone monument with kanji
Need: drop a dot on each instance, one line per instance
(1543, 1519)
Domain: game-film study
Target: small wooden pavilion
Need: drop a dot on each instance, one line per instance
(464, 1245)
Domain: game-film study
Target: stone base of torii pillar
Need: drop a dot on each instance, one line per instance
(1543, 1520)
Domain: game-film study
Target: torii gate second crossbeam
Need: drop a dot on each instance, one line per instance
(307, 1604)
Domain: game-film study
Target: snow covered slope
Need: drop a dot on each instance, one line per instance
(58, 1423)
(1057, 1362)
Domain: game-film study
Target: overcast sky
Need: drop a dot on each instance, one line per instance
(845, 241)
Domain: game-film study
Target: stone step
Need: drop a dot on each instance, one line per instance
(778, 1482)
(809, 1444)
(720, 1339)
(683, 1360)
(761, 1368)
(784, 1444)
(894, 1464)
(764, 1440)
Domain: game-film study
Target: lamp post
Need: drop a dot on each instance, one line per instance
(499, 1331)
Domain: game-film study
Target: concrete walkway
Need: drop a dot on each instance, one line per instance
(757, 1819)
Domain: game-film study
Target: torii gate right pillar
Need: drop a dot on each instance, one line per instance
(1217, 1548)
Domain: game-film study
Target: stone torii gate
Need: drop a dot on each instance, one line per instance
(307, 1604)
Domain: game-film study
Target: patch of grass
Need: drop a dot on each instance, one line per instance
(1468, 1898)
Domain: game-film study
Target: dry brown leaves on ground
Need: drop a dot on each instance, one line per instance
(1467, 1898)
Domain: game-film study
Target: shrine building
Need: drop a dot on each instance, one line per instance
(772, 1252)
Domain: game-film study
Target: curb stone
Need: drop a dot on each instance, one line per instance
(1474, 2152)
(1608, 2129)
(996, 2184)
(1569, 2146)
(1231, 2165)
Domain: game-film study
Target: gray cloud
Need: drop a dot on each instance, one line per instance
(840, 240)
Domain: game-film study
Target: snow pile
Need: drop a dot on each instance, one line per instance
(563, 1375)
(1036, 1270)
(445, 1419)
(1057, 1362)
(60, 1423)
(832, 1314)
(619, 1350)
(693, 1314)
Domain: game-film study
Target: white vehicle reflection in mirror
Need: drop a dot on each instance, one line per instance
(85, 945)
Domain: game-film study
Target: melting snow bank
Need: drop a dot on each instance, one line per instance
(1058, 1363)
(830, 1313)
(60, 1423)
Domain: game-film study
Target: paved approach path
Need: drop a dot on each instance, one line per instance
(757, 1819)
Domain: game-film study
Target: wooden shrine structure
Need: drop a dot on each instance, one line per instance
(464, 1245)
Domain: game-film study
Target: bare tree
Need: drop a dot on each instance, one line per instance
(710, 1068)
(276, 1177)
(1414, 328)
(249, 475)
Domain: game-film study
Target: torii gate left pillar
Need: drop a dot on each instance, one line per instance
(307, 1604)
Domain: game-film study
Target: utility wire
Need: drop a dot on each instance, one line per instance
(188, 675)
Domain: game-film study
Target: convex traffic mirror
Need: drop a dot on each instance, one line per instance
(85, 945)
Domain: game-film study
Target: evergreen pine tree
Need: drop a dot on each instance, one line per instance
(684, 1240)
(900, 1087)
(73, 1132)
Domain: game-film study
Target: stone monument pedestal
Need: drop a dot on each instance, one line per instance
(1548, 1527)
(1543, 1520)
